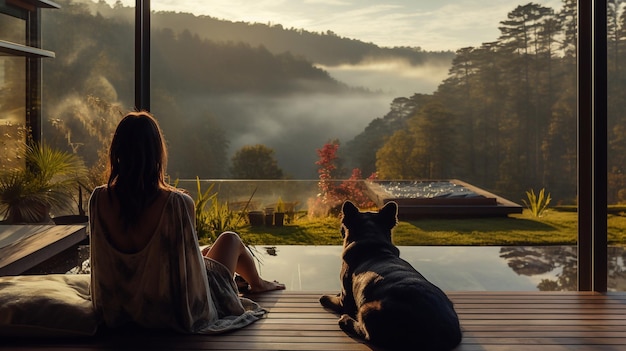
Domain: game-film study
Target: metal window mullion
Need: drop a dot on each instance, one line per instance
(592, 147)
(142, 55)
(600, 148)
(33, 77)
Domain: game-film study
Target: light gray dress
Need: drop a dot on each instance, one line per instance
(168, 284)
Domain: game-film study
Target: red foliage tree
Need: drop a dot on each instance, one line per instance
(332, 191)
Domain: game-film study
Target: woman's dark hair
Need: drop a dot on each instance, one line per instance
(138, 159)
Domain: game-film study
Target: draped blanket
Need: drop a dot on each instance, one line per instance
(168, 285)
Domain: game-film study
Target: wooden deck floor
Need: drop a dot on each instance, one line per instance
(491, 321)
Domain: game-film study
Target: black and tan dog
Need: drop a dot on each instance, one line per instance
(384, 299)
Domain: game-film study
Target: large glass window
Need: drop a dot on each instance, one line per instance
(90, 82)
(12, 94)
(334, 94)
(495, 108)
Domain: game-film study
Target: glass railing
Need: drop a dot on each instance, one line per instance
(416, 198)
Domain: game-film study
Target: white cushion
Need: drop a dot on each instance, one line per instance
(46, 305)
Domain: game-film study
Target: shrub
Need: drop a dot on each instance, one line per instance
(333, 192)
(537, 204)
(212, 216)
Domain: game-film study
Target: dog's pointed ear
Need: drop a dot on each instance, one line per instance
(389, 213)
(349, 210)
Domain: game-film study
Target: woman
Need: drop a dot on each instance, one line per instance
(146, 265)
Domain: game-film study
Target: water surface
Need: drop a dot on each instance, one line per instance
(471, 268)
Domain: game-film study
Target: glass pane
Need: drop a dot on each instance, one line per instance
(12, 29)
(332, 98)
(13, 116)
(406, 90)
(616, 146)
(90, 82)
(262, 80)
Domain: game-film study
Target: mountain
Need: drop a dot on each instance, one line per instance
(325, 48)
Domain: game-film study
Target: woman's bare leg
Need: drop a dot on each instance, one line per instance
(229, 250)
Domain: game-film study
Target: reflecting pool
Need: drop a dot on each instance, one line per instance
(476, 268)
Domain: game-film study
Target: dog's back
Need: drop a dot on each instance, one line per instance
(384, 299)
(402, 310)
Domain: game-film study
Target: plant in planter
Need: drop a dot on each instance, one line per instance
(256, 218)
(279, 215)
(46, 183)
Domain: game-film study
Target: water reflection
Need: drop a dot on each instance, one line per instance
(555, 264)
(515, 268)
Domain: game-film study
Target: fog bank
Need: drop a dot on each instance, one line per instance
(394, 78)
(296, 125)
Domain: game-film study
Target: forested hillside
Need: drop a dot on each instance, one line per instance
(505, 118)
(211, 92)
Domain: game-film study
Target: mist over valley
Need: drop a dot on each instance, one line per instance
(295, 125)
(392, 77)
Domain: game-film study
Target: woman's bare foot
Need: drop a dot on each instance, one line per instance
(265, 286)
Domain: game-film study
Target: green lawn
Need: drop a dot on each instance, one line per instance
(556, 227)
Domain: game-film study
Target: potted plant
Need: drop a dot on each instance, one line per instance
(256, 218)
(269, 216)
(279, 215)
(27, 195)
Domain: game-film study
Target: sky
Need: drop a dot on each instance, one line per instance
(432, 25)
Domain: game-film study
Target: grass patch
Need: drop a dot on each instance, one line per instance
(323, 231)
(552, 229)
(558, 226)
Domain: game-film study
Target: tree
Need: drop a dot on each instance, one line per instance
(361, 151)
(396, 159)
(568, 17)
(462, 81)
(332, 191)
(255, 162)
(520, 38)
(613, 31)
(436, 144)
(426, 150)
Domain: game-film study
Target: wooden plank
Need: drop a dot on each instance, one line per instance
(526, 347)
(545, 328)
(46, 242)
(555, 340)
(571, 322)
(469, 309)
